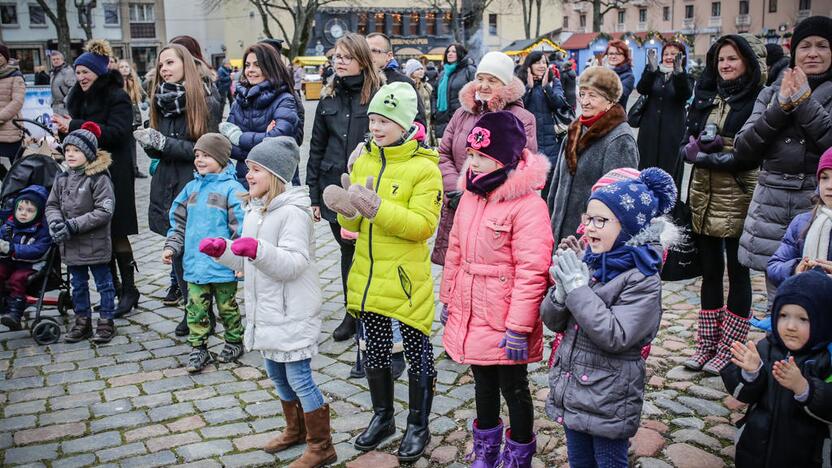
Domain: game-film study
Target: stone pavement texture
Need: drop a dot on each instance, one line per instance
(131, 402)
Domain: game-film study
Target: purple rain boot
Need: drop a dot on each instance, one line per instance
(487, 444)
(518, 455)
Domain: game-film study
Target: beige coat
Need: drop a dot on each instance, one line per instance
(12, 92)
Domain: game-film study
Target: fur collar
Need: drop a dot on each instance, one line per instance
(511, 93)
(576, 143)
(101, 164)
(529, 176)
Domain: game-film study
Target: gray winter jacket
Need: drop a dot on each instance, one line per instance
(788, 145)
(62, 81)
(87, 198)
(596, 384)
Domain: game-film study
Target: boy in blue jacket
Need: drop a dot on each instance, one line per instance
(24, 242)
(209, 206)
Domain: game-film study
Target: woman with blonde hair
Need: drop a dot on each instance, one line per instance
(180, 112)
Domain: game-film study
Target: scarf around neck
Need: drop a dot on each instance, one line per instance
(623, 257)
(665, 70)
(9, 70)
(484, 184)
(816, 245)
(817, 80)
(728, 88)
(588, 121)
(442, 92)
(170, 99)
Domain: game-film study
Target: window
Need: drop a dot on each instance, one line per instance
(805, 5)
(621, 16)
(27, 59)
(142, 13)
(414, 23)
(666, 13)
(36, 16)
(743, 7)
(397, 28)
(430, 23)
(642, 15)
(716, 9)
(447, 20)
(688, 11)
(582, 21)
(492, 24)
(8, 13)
(772, 6)
(362, 24)
(111, 17)
(379, 22)
(565, 22)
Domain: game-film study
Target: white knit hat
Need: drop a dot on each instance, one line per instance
(411, 66)
(497, 64)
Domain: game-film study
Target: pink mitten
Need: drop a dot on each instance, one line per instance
(212, 246)
(245, 247)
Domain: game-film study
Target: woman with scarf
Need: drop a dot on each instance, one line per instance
(598, 141)
(495, 89)
(720, 192)
(619, 60)
(12, 94)
(457, 71)
(788, 130)
(667, 87)
(181, 111)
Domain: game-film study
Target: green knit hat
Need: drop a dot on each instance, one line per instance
(397, 102)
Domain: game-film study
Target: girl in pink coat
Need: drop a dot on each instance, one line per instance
(494, 280)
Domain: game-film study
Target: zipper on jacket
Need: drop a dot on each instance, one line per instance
(407, 285)
(370, 233)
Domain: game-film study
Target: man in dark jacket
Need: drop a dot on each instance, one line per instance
(382, 54)
(224, 82)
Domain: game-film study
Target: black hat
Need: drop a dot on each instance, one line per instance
(276, 43)
(774, 52)
(811, 290)
(811, 26)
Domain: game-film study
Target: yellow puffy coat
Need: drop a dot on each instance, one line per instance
(390, 273)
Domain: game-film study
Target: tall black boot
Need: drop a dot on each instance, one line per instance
(417, 435)
(129, 294)
(382, 425)
(346, 329)
(114, 273)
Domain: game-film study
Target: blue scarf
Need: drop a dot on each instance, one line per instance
(621, 258)
(442, 92)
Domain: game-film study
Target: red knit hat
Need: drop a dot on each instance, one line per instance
(825, 162)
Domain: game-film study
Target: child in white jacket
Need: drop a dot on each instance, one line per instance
(276, 252)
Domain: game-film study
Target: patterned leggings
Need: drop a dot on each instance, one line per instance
(379, 336)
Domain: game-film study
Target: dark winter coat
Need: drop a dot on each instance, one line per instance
(776, 71)
(788, 145)
(86, 198)
(465, 73)
(628, 83)
(568, 78)
(30, 244)
(597, 378)
(224, 81)
(176, 165)
(663, 121)
(778, 430)
(781, 265)
(543, 102)
(341, 123)
(253, 110)
(107, 104)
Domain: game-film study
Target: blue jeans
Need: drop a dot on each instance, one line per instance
(293, 381)
(589, 451)
(79, 278)
(397, 331)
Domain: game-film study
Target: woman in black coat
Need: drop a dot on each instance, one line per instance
(341, 124)
(98, 96)
(667, 87)
(457, 71)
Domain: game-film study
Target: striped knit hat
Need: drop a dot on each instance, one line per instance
(616, 175)
(85, 139)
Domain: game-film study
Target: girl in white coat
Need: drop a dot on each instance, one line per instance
(282, 294)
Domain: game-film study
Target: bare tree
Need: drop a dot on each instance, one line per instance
(58, 18)
(602, 7)
(530, 19)
(85, 8)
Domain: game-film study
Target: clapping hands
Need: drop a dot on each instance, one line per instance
(745, 356)
(788, 375)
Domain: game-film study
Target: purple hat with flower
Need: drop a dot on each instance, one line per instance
(499, 136)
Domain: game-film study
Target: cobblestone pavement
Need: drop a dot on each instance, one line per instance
(131, 402)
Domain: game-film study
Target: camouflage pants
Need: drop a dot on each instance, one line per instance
(199, 308)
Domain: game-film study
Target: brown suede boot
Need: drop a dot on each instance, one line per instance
(319, 449)
(295, 431)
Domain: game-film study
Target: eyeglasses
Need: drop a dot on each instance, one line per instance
(378, 51)
(345, 59)
(598, 221)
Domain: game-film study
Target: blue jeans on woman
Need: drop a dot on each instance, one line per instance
(79, 278)
(293, 381)
(589, 451)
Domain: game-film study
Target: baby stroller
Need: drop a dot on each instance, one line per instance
(36, 164)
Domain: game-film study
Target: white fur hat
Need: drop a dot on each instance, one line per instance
(497, 64)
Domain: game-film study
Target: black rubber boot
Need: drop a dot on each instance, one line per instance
(13, 313)
(382, 425)
(417, 435)
(346, 329)
(129, 294)
(397, 364)
(182, 329)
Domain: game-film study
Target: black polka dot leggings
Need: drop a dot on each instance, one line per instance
(378, 334)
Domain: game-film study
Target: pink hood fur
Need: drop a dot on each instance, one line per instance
(530, 175)
(511, 93)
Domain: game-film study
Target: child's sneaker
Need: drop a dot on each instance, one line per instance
(198, 359)
(105, 331)
(231, 352)
(81, 330)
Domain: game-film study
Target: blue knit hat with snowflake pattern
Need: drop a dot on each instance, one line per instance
(636, 202)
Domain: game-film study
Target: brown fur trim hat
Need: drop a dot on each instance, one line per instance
(603, 80)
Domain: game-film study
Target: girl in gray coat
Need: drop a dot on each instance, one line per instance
(608, 304)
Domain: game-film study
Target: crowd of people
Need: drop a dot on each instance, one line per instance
(541, 217)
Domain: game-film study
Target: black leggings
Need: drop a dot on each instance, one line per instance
(379, 337)
(513, 382)
(713, 251)
(347, 252)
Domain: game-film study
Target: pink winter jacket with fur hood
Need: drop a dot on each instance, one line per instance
(496, 267)
(452, 153)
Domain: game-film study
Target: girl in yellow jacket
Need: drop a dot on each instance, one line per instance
(392, 198)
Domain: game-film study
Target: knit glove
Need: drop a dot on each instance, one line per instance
(677, 63)
(337, 198)
(559, 293)
(691, 149)
(365, 199)
(443, 317)
(516, 345)
(711, 146)
(571, 272)
(60, 232)
(212, 246)
(150, 138)
(245, 247)
(232, 132)
(4, 247)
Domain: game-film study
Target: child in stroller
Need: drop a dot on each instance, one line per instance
(24, 244)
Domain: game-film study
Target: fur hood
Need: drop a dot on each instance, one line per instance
(529, 176)
(510, 94)
(102, 162)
